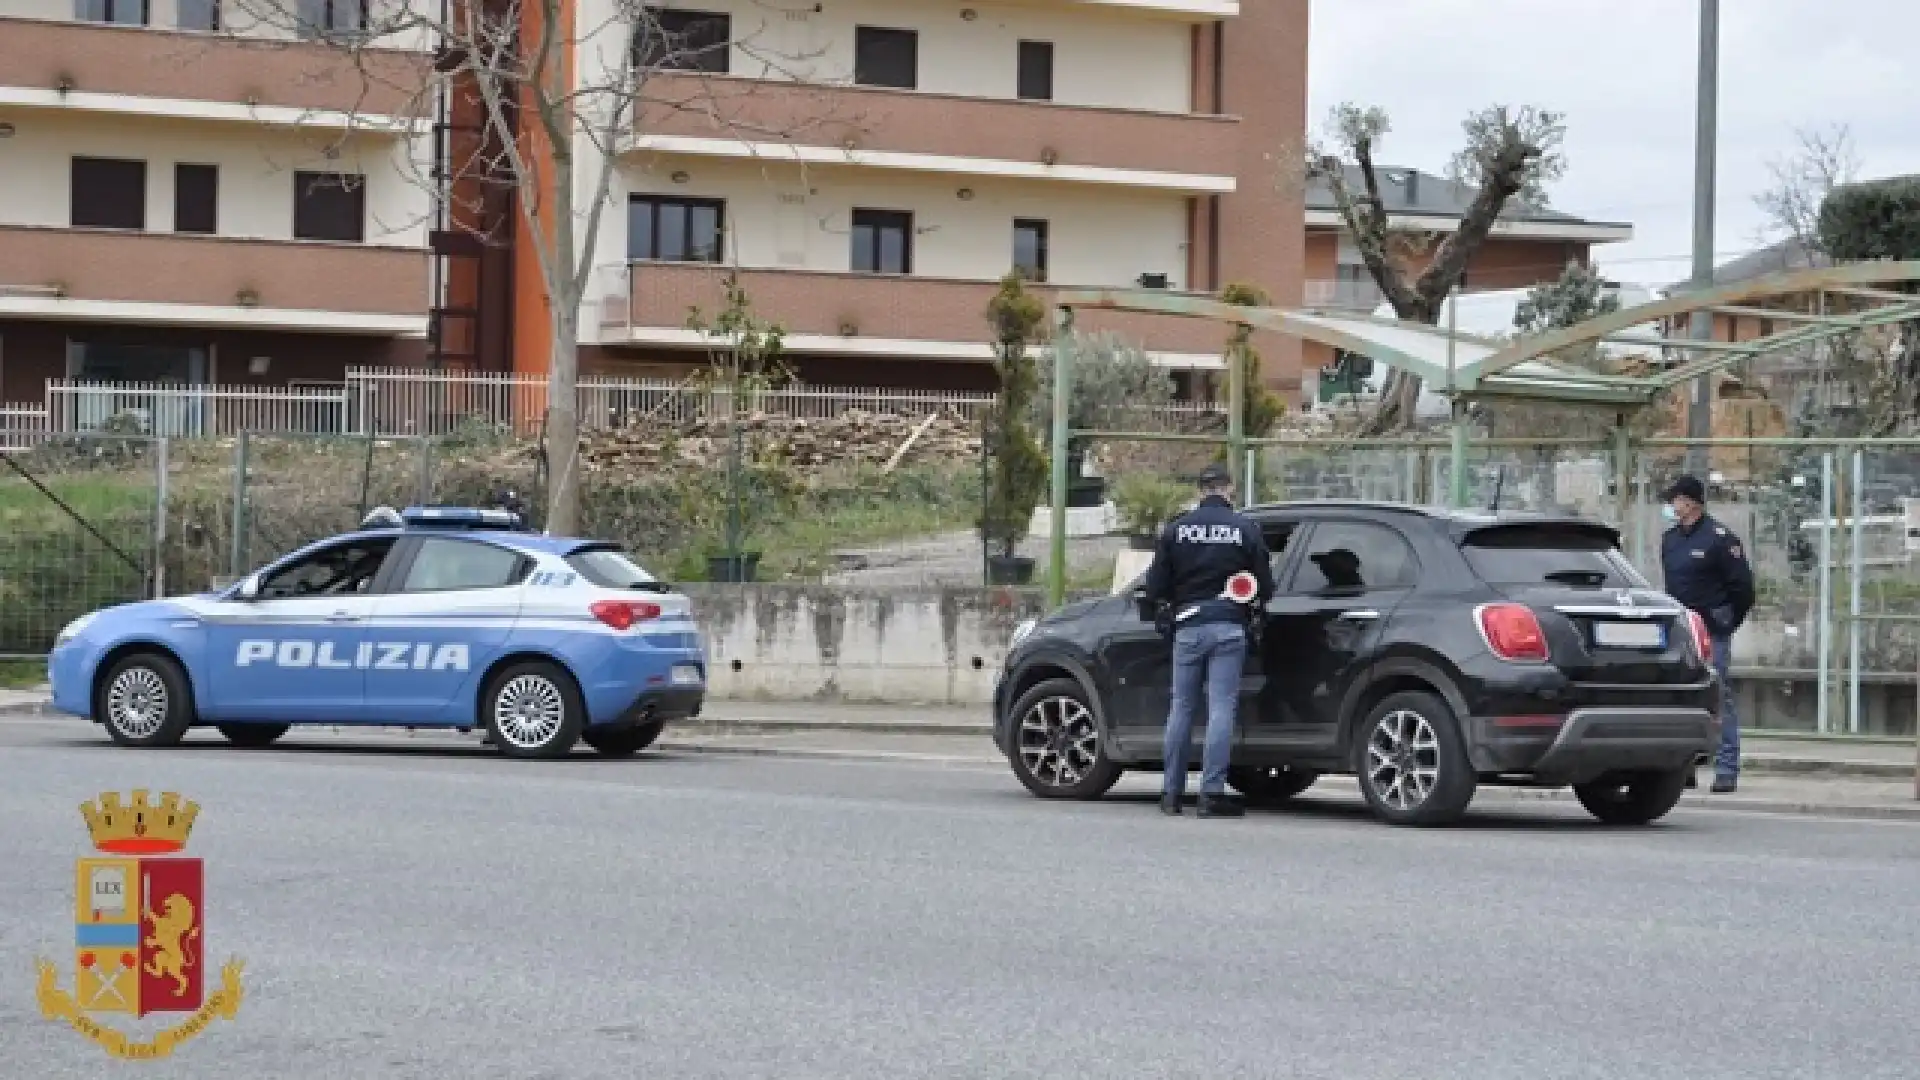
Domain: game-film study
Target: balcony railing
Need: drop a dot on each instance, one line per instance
(870, 312)
(845, 119)
(90, 58)
(1343, 294)
(213, 271)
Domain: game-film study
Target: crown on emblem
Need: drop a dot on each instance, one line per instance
(139, 827)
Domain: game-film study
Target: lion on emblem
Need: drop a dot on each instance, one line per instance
(171, 932)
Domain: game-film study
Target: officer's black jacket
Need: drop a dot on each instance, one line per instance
(1196, 555)
(1707, 570)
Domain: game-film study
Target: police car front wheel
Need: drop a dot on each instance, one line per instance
(143, 700)
(533, 710)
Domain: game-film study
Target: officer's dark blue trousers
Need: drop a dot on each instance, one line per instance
(1727, 763)
(1207, 659)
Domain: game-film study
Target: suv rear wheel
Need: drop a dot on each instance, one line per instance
(1057, 752)
(1636, 798)
(1413, 768)
(1269, 784)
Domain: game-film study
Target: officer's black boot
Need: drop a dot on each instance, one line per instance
(1220, 805)
(1724, 784)
(1170, 805)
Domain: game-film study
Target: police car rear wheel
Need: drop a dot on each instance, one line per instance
(143, 701)
(1057, 750)
(624, 742)
(253, 734)
(533, 710)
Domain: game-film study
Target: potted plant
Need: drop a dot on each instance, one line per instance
(1146, 504)
(1017, 469)
(1115, 384)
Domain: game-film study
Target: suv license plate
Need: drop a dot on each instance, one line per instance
(686, 675)
(1626, 635)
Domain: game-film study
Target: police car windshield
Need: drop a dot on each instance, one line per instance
(610, 568)
(1548, 555)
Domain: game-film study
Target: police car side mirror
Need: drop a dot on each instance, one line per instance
(249, 589)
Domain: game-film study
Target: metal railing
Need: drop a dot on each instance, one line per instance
(171, 410)
(1355, 295)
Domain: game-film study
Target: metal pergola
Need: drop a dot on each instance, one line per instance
(1466, 368)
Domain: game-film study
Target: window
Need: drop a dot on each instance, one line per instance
(884, 56)
(320, 18)
(613, 569)
(341, 570)
(199, 15)
(195, 197)
(882, 242)
(1030, 248)
(329, 206)
(109, 193)
(1036, 70)
(1355, 556)
(685, 41)
(442, 565)
(674, 229)
(124, 12)
(1549, 555)
(1277, 535)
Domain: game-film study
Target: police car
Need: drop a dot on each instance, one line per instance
(432, 617)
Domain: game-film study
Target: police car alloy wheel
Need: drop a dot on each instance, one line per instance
(143, 700)
(533, 710)
(1413, 766)
(1056, 751)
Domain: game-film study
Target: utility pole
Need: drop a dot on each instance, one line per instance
(1705, 147)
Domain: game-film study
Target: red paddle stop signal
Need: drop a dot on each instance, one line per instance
(1241, 588)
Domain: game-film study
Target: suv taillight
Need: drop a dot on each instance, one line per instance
(1702, 640)
(1512, 632)
(622, 614)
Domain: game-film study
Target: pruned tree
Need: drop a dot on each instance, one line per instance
(1509, 153)
(1824, 159)
(552, 99)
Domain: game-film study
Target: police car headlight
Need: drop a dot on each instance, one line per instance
(1021, 632)
(72, 629)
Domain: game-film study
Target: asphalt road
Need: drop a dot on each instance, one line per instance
(410, 911)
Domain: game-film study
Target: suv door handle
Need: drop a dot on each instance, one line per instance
(1362, 615)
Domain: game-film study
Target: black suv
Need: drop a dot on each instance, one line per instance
(1425, 651)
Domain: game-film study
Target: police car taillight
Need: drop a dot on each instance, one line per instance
(622, 614)
(1702, 640)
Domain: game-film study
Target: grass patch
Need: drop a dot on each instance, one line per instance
(22, 674)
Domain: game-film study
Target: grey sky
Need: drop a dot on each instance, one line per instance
(1623, 72)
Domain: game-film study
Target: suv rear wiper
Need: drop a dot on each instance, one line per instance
(1592, 579)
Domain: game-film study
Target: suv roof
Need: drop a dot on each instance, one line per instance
(1462, 521)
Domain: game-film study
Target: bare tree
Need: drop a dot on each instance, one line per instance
(1824, 159)
(1509, 153)
(557, 93)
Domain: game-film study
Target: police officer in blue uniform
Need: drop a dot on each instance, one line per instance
(1196, 556)
(1707, 570)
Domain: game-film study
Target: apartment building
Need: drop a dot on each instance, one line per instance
(871, 168)
(188, 198)
(1529, 245)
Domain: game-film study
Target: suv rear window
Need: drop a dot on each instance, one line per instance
(1572, 556)
(610, 568)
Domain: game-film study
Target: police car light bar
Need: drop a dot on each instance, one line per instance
(459, 517)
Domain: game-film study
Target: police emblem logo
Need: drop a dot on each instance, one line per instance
(139, 930)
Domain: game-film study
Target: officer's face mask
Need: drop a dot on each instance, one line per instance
(1668, 513)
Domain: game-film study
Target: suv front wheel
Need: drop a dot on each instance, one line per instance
(1413, 767)
(1057, 752)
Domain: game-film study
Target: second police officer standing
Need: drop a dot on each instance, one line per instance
(1708, 572)
(1196, 556)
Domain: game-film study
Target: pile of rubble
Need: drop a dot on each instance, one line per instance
(852, 438)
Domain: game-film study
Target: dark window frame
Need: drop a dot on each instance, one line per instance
(655, 203)
(330, 22)
(83, 178)
(1034, 76)
(1297, 585)
(874, 65)
(1042, 231)
(182, 169)
(306, 183)
(876, 222)
(671, 45)
(107, 10)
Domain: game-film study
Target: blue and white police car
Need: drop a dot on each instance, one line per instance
(433, 617)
